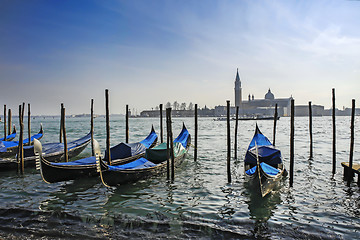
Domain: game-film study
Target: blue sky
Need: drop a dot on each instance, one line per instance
(152, 52)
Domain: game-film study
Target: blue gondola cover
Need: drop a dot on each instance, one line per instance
(266, 151)
(149, 140)
(183, 137)
(267, 154)
(124, 150)
(83, 161)
(266, 168)
(137, 164)
(11, 136)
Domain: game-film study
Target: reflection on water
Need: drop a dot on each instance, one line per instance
(67, 194)
(262, 208)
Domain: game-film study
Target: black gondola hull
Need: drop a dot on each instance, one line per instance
(52, 174)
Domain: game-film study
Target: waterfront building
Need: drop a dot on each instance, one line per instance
(252, 106)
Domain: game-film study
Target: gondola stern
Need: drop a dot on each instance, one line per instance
(14, 129)
(41, 129)
(40, 132)
(257, 130)
(39, 158)
(152, 128)
(38, 153)
(100, 165)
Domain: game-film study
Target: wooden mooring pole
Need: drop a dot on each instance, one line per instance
(196, 131)
(292, 134)
(167, 147)
(29, 125)
(127, 124)
(108, 157)
(66, 157)
(310, 131)
(236, 132)
(161, 124)
(20, 156)
(334, 132)
(9, 122)
(23, 112)
(275, 120)
(92, 126)
(4, 122)
(61, 121)
(351, 172)
(228, 140)
(169, 131)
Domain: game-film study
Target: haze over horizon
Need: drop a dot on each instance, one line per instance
(152, 52)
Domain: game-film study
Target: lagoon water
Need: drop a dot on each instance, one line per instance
(199, 204)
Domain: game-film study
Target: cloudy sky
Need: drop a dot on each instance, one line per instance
(152, 52)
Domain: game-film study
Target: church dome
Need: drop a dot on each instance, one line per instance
(269, 95)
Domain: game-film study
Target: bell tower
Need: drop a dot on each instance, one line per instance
(238, 96)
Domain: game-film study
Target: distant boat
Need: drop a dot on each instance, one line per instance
(257, 117)
(245, 118)
(221, 119)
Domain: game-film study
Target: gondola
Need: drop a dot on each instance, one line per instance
(263, 164)
(53, 152)
(154, 162)
(63, 171)
(9, 148)
(11, 136)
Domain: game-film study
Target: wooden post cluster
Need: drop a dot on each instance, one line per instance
(310, 130)
(107, 126)
(170, 143)
(228, 140)
(66, 157)
(292, 134)
(4, 122)
(334, 131)
(196, 131)
(350, 172)
(236, 131)
(92, 126)
(275, 120)
(127, 124)
(29, 125)
(161, 124)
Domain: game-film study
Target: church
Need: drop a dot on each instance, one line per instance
(252, 106)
